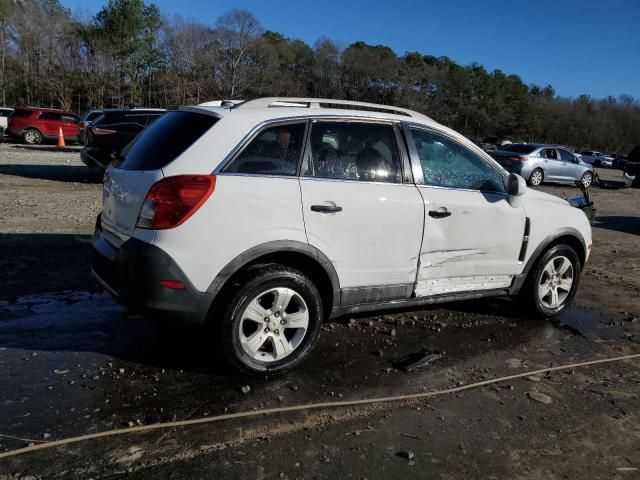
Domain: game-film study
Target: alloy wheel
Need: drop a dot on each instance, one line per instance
(31, 137)
(587, 179)
(555, 282)
(536, 178)
(274, 324)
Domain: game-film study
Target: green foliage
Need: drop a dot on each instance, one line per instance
(130, 54)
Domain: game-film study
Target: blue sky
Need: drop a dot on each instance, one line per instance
(586, 46)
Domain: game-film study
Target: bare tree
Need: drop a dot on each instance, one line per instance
(236, 35)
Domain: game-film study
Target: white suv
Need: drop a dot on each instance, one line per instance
(267, 217)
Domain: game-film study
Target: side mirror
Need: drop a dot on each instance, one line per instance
(516, 187)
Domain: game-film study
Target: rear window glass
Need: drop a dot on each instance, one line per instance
(22, 113)
(519, 148)
(167, 138)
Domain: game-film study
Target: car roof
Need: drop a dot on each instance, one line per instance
(274, 108)
(42, 109)
(126, 110)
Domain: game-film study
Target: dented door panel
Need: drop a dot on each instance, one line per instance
(476, 247)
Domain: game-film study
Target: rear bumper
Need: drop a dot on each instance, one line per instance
(132, 274)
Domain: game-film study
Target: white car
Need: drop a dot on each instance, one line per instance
(265, 218)
(597, 159)
(4, 117)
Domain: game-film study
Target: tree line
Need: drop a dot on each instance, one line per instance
(130, 54)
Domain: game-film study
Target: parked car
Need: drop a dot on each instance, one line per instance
(539, 163)
(88, 117)
(597, 159)
(619, 162)
(112, 131)
(265, 220)
(34, 125)
(489, 144)
(632, 167)
(4, 116)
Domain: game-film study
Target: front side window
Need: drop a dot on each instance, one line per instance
(274, 151)
(354, 151)
(446, 163)
(566, 156)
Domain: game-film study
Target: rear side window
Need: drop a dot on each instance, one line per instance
(5, 113)
(167, 138)
(22, 113)
(354, 151)
(274, 151)
(92, 116)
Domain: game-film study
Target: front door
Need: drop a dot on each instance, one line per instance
(358, 210)
(472, 235)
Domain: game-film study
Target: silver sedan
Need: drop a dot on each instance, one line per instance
(544, 163)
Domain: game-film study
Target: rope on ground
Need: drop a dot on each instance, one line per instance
(311, 406)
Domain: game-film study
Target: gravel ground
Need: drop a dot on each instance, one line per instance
(74, 362)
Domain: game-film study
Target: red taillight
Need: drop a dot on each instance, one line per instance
(519, 158)
(172, 284)
(102, 131)
(172, 200)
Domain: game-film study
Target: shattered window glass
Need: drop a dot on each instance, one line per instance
(446, 163)
(275, 151)
(354, 151)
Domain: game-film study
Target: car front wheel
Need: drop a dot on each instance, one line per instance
(272, 322)
(587, 179)
(554, 281)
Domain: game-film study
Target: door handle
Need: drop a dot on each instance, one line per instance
(440, 213)
(326, 208)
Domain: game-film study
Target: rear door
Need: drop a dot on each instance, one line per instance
(472, 235)
(359, 210)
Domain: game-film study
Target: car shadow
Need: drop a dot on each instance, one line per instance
(624, 224)
(58, 173)
(50, 148)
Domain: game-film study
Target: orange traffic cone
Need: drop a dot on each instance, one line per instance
(61, 139)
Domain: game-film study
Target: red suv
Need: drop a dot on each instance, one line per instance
(34, 125)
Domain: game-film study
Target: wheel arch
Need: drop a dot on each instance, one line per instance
(31, 127)
(301, 256)
(570, 236)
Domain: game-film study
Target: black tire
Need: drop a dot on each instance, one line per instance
(532, 181)
(255, 282)
(587, 176)
(530, 293)
(31, 136)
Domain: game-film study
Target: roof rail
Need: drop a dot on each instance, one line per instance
(303, 102)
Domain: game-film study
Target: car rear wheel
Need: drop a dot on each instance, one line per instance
(587, 179)
(272, 322)
(554, 281)
(536, 177)
(32, 137)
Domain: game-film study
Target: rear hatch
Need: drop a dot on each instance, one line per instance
(128, 180)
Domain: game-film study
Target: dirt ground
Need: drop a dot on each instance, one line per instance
(73, 362)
